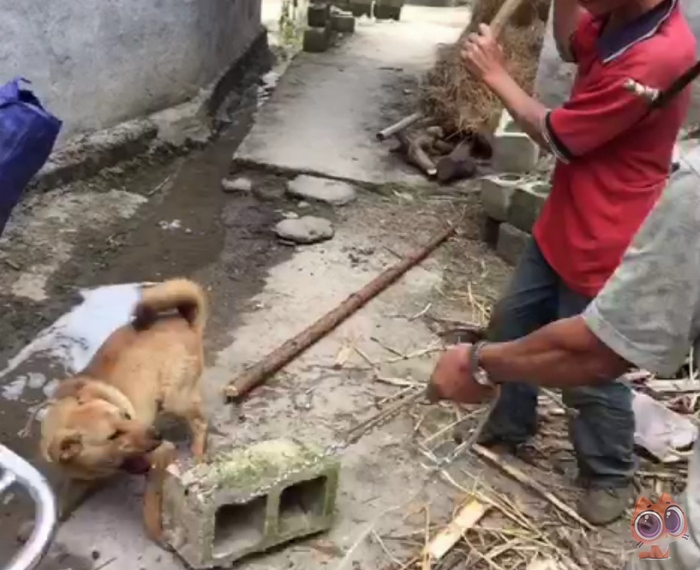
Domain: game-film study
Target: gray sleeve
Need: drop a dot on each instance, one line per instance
(648, 310)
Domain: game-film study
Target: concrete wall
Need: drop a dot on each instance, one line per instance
(554, 78)
(96, 63)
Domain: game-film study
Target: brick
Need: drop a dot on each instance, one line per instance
(317, 40)
(513, 150)
(511, 243)
(317, 15)
(247, 501)
(526, 204)
(489, 230)
(343, 23)
(496, 192)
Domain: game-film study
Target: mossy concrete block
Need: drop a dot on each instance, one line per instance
(496, 193)
(526, 204)
(317, 40)
(513, 150)
(343, 23)
(317, 15)
(511, 243)
(247, 501)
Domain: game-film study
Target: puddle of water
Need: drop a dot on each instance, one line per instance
(75, 337)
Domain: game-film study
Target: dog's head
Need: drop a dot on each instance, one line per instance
(90, 430)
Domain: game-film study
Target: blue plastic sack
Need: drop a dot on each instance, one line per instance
(27, 135)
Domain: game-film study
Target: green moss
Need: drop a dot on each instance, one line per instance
(248, 469)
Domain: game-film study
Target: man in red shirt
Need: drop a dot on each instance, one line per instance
(613, 159)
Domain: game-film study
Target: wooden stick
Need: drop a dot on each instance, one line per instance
(403, 124)
(466, 518)
(528, 481)
(505, 12)
(293, 347)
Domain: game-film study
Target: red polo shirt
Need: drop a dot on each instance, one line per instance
(613, 162)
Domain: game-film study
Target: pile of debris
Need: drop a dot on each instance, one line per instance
(451, 133)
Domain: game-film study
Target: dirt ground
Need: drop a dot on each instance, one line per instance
(165, 216)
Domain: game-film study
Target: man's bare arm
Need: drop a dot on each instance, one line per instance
(567, 14)
(563, 354)
(527, 112)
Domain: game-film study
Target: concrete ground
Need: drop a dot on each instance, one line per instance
(149, 221)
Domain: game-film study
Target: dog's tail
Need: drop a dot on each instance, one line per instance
(181, 295)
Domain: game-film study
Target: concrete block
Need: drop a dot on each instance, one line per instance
(343, 23)
(513, 150)
(388, 10)
(511, 243)
(489, 230)
(496, 192)
(247, 501)
(360, 8)
(526, 204)
(317, 15)
(317, 40)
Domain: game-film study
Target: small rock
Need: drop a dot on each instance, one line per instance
(240, 184)
(303, 204)
(291, 215)
(332, 192)
(305, 230)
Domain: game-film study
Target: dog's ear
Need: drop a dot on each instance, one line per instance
(65, 446)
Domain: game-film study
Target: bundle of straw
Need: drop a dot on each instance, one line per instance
(459, 103)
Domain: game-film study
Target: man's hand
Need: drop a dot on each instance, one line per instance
(452, 379)
(482, 56)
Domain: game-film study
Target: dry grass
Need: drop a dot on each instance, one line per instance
(452, 97)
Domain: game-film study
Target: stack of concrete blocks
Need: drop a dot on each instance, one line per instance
(247, 501)
(513, 198)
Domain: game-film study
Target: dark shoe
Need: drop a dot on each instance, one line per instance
(603, 505)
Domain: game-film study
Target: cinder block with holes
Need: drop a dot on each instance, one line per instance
(511, 243)
(513, 150)
(526, 204)
(496, 192)
(247, 501)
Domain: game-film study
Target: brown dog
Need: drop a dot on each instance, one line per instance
(100, 421)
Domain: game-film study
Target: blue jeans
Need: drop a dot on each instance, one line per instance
(603, 432)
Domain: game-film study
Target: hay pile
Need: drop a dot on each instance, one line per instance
(452, 97)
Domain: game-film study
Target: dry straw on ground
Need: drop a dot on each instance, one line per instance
(454, 99)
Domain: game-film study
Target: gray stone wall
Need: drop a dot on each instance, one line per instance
(554, 77)
(97, 63)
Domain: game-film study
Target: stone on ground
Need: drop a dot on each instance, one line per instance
(305, 230)
(332, 192)
(240, 184)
